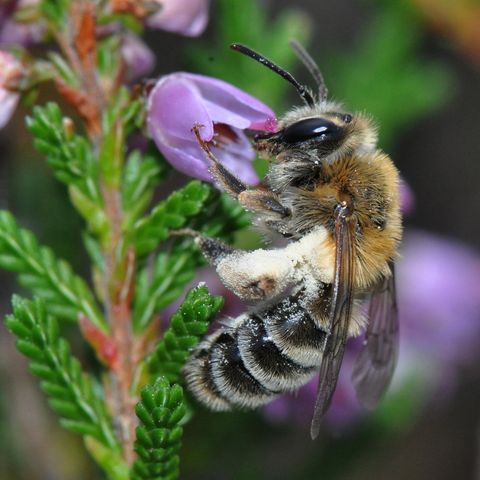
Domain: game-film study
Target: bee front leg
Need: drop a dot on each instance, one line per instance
(259, 200)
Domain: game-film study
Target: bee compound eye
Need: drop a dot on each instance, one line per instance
(310, 129)
(347, 118)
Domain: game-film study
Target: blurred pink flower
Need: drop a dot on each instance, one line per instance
(181, 100)
(13, 33)
(187, 17)
(138, 57)
(10, 73)
(407, 198)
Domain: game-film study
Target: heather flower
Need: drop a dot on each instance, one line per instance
(187, 17)
(182, 100)
(13, 33)
(10, 74)
(138, 58)
(438, 283)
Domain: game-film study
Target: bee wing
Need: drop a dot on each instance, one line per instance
(375, 364)
(339, 317)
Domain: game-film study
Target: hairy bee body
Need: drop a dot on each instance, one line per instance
(335, 197)
(278, 347)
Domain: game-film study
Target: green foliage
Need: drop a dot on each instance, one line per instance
(248, 22)
(187, 326)
(71, 393)
(221, 216)
(107, 56)
(384, 75)
(140, 177)
(169, 274)
(55, 11)
(63, 69)
(71, 157)
(172, 213)
(123, 115)
(159, 284)
(160, 411)
(66, 295)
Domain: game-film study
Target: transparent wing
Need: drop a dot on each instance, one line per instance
(373, 369)
(340, 310)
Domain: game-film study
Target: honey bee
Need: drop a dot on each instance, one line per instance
(334, 195)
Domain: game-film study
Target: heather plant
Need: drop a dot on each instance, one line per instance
(131, 417)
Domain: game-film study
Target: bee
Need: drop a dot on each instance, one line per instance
(334, 196)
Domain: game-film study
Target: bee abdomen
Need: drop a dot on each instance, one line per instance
(217, 377)
(266, 362)
(258, 358)
(294, 332)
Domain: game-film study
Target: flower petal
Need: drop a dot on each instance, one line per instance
(228, 104)
(8, 103)
(188, 17)
(188, 160)
(237, 157)
(174, 107)
(138, 58)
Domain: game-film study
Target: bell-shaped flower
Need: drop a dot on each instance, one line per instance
(187, 17)
(180, 101)
(11, 71)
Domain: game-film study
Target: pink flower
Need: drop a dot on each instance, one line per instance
(138, 58)
(187, 17)
(180, 101)
(10, 73)
(13, 33)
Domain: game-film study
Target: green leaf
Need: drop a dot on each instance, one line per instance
(187, 326)
(170, 273)
(221, 216)
(46, 276)
(140, 177)
(160, 411)
(172, 213)
(70, 391)
(55, 11)
(111, 461)
(111, 155)
(71, 157)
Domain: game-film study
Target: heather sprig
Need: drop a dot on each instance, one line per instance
(131, 416)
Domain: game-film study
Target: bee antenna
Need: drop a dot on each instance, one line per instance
(301, 89)
(311, 66)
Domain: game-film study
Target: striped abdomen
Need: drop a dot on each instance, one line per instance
(262, 354)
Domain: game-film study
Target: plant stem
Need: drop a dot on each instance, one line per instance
(118, 280)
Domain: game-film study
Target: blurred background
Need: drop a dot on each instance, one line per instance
(415, 66)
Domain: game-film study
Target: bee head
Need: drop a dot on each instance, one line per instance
(323, 131)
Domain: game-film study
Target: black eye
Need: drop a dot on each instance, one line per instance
(312, 128)
(347, 118)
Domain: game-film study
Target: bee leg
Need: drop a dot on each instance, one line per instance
(263, 201)
(227, 181)
(213, 249)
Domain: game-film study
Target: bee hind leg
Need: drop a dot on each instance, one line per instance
(213, 250)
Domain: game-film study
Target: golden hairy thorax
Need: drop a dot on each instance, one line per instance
(369, 185)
